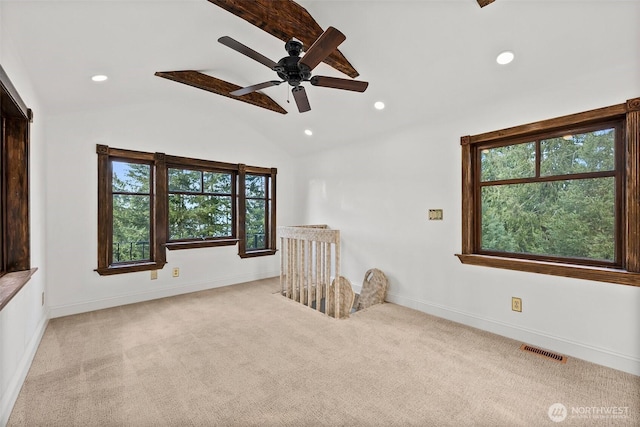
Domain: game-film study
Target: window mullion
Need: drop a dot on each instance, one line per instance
(266, 213)
(242, 210)
(538, 158)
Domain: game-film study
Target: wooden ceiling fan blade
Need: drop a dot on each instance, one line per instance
(483, 3)
(211, 84)
(253, 88)
(322, 47)
(300, 95)
(247, 51)
(336, 83)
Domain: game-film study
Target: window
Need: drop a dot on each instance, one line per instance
(14, 179)
(201, 206)
(15, 249)
(152, 202)
(553, 198)
(257, 211)
(131, 200)
(128, 213)
(556, 197)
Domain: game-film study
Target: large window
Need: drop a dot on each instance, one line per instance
(556, 197)
(553, 198)
(151, 202)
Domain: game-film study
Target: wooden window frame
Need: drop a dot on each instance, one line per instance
(15, 245)
(627, 270)
(157, 258)
(160, 208)
(270, 214)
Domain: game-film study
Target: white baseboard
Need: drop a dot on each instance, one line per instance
(600, 356)
(15, 385)
(99, 304)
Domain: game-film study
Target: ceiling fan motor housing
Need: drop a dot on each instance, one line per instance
(289, 69)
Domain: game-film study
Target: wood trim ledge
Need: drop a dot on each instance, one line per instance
(11, 283)
(600, 274)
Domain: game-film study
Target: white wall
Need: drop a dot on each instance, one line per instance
(378, 193)
(182, 130)
(23, 319)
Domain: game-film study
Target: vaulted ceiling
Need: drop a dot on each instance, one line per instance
(427, 60)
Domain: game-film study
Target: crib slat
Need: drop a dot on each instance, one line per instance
(316, 274)
(282, 266)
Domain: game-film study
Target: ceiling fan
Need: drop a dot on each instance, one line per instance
(296, 70)
(280, 18)
(292, 69)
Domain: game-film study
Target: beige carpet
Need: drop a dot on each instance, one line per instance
(245, 356)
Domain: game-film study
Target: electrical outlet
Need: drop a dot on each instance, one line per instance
(516, 304)
(154, 274)
(176, 272)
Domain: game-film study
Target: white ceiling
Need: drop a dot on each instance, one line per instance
(425, 59)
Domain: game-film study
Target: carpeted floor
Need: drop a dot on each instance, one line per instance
(245, 356)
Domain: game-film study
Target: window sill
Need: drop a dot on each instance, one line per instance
(200, 244)
(600, 274)
(11, 283)
(262, 252)
(129, 268)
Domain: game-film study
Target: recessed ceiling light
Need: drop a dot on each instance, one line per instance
(505, 57)
(308, 132)
(379, 105)
(99, 78)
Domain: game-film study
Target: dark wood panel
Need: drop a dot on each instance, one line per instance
(272, 244)
(241, 212)
(176, 161)
(220, 87)
(129, 268)
(285, 19)
(104, 207)
(200, 244)
(16, 175)
(467, 199)
(633, 187)
(260, 170)
(160, 212)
